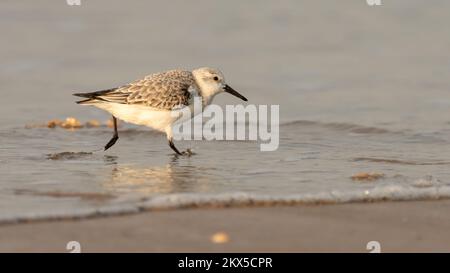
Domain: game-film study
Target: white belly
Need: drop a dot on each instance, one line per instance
(140, 115)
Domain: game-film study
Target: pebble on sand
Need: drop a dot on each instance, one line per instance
(54, 123)
(365, 176)
(93, 123)
(110, 123)
(220, 238)
(71, 123)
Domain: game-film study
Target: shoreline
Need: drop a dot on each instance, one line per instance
(225, 200)
(398, 226)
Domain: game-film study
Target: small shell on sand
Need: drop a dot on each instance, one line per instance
(364, 176)
(110, 123)
(54, 123)
(93, 123)
(71, 123)
(220, 238)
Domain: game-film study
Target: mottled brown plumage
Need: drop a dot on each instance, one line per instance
(164, 91)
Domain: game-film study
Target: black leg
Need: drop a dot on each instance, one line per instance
(115, 136)
(174, 148)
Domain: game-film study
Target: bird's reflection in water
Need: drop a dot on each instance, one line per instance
(176, 176)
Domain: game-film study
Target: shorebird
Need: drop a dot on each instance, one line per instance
(151, 100)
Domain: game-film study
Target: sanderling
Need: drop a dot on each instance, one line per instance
(151, 100)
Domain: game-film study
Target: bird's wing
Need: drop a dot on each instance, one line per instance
(163, 91)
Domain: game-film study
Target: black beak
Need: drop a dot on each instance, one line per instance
(233, 92)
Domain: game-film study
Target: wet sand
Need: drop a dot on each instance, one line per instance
(398, 226)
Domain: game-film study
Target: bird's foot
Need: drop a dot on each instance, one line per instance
(111, 142)
(188, 153)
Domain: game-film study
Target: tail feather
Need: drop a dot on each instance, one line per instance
(93, 97)
(86, 101)
(95, 94)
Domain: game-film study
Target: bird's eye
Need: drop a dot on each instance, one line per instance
(216, 78)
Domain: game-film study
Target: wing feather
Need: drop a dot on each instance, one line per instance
(165, 91)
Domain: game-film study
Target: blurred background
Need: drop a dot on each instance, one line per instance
(320, 60)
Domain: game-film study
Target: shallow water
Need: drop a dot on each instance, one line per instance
(360, 89)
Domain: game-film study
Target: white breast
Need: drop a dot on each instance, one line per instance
(140, 115)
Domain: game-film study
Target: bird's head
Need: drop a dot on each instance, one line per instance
(212, 82)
